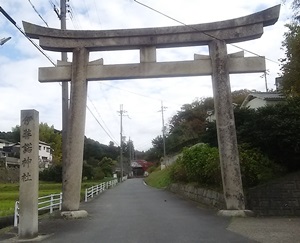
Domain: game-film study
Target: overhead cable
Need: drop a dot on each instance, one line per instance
(38, 13)
(10, 19)
(209, 35)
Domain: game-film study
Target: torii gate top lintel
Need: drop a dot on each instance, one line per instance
(231, 31)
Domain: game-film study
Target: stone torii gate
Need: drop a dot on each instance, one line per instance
(219, 64)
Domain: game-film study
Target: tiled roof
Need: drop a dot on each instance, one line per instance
(267, 96)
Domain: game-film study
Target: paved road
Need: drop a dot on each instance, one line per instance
(135, 213)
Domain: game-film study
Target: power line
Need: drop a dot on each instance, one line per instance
(97, 12)
(142, 95)
(73, 17)
(209, 35)
(108, 131)
(38, 13)
(101, 126)
(10, 19)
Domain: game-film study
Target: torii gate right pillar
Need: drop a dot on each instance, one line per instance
(227, 141)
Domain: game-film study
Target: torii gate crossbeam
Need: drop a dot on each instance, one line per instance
(219, 64)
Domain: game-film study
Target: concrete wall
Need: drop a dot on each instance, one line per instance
(277, 198)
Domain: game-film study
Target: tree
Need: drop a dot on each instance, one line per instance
(54, 139)
(274, 130)
(291, 63)
(189, 124)
(238, 96)
(108, 166)
(47, 134)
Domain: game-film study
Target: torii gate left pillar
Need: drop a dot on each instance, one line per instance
(72, 169)
(219, 65)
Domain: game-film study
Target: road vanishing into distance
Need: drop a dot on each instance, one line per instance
(133, 212)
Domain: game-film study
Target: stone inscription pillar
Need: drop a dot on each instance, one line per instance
(72, 169)
(29, 174)
(227, 141)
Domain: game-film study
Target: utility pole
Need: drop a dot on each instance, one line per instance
(65, 87)
(266, 81)
(65, 105)
(121, 140)
(163, 108)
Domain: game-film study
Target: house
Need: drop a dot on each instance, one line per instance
(45, 155)
(255, 100)
(12, 153)
(3, 143)
(211, 116)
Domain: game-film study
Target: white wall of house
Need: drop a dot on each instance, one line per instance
(3, 143)
(45, 151)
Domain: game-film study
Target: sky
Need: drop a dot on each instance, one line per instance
(142, 99)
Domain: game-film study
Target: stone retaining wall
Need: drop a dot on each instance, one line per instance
(202, 195)
(280, 197)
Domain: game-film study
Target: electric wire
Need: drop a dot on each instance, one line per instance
(200, 31)
(34, 8)
(101, 126)
(108, 131)
(97, 12)
(72, 13)
(142, 95)
(10, 19)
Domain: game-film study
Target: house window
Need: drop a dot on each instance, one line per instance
(44, 147)
(40, 147)
(47, 150)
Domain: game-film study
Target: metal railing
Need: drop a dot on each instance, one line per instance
(49, 202)
(95, 190)
(54, 201)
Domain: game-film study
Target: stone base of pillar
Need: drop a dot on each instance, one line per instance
(38, 238)
(236, 213)
(74, 214)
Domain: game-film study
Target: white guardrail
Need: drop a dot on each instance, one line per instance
(54, 201)
(50, 202)
(95, 190)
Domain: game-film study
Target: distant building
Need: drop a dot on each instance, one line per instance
(3, 143)
(140, 167)
(11, 154)
(255, 100)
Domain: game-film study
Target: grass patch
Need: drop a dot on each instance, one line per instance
(159, 178)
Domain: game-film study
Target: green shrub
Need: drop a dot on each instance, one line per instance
(98, 174)
(200, 164)
(151, 169)
(53, 173)
(177, 171)
(256, 168)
